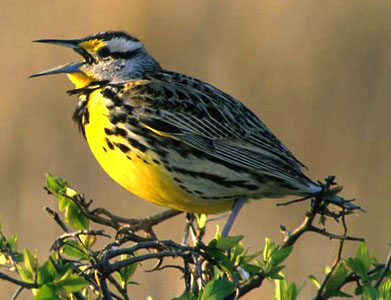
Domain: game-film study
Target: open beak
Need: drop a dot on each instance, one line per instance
(68, 68)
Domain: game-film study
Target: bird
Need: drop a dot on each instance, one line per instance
(173, 139)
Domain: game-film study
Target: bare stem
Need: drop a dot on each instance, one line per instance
(385, 269)
(23, 284)
(319, 295)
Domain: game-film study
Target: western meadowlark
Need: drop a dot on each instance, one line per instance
(170, 138)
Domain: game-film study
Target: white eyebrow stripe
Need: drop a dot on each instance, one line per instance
(123, 45)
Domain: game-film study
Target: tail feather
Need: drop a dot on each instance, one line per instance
(344, 204)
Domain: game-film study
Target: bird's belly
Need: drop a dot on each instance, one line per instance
(140, 170)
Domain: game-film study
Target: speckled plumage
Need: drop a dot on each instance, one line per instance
(170, 138)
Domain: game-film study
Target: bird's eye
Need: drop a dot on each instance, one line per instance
(104, 52)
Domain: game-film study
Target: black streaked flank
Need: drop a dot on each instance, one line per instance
(111, 146)
(78, 115)
(113, 96)
(86, 116)
(128, 108)
(215, 178)
(122, 132)
(156, 161)
(136, 144)
(161, 126)
(185, 188)
(132, 122)
(195, 114)
(110, 131)
(116, 117)
(123, 148)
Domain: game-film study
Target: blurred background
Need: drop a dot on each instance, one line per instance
(316, 72)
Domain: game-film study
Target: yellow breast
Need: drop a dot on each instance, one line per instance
(140, 172)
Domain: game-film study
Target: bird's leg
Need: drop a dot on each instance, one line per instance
(233, 214)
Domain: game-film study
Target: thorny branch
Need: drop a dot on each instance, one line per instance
(197, 261)
(319, 295)
(317, 207)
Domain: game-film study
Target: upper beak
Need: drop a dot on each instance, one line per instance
(69, 68)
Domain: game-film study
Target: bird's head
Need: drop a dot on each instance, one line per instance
(108, 56)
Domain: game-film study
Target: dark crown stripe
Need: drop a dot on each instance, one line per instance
(126, 55)
(108, 35)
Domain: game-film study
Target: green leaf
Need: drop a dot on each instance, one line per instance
(358, 267)
(314, 281)
(88, 240)
(358, 290)
(284, 290)
(212, 244)
(13, 242)
(326, 270)
(201, 220)
(238, 255)
(338, 294)
(370, 293)
(268, 250)
(126, 272)
(63, 202)
(385, 289)
(18, 257)
(252, 269)
(54, 184)
(374, 260)
(225, 243)
(75, 218)
(25, 275)
(274, 272)
(281, 255)
(250, 257)
(3, 259)
(186, 296)
(70, 283)
(275, 276)
(217, 289)
(46, 292)
(276, 257)
(362, 255)
(46, 272)
(75, 249)
(336, 279)
(335, 190)
(30, 261)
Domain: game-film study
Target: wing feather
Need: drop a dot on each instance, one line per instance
(211, 121)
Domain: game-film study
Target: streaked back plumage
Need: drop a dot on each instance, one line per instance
(173, 139)
(198, 115)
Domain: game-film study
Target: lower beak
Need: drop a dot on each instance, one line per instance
(69, 68)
